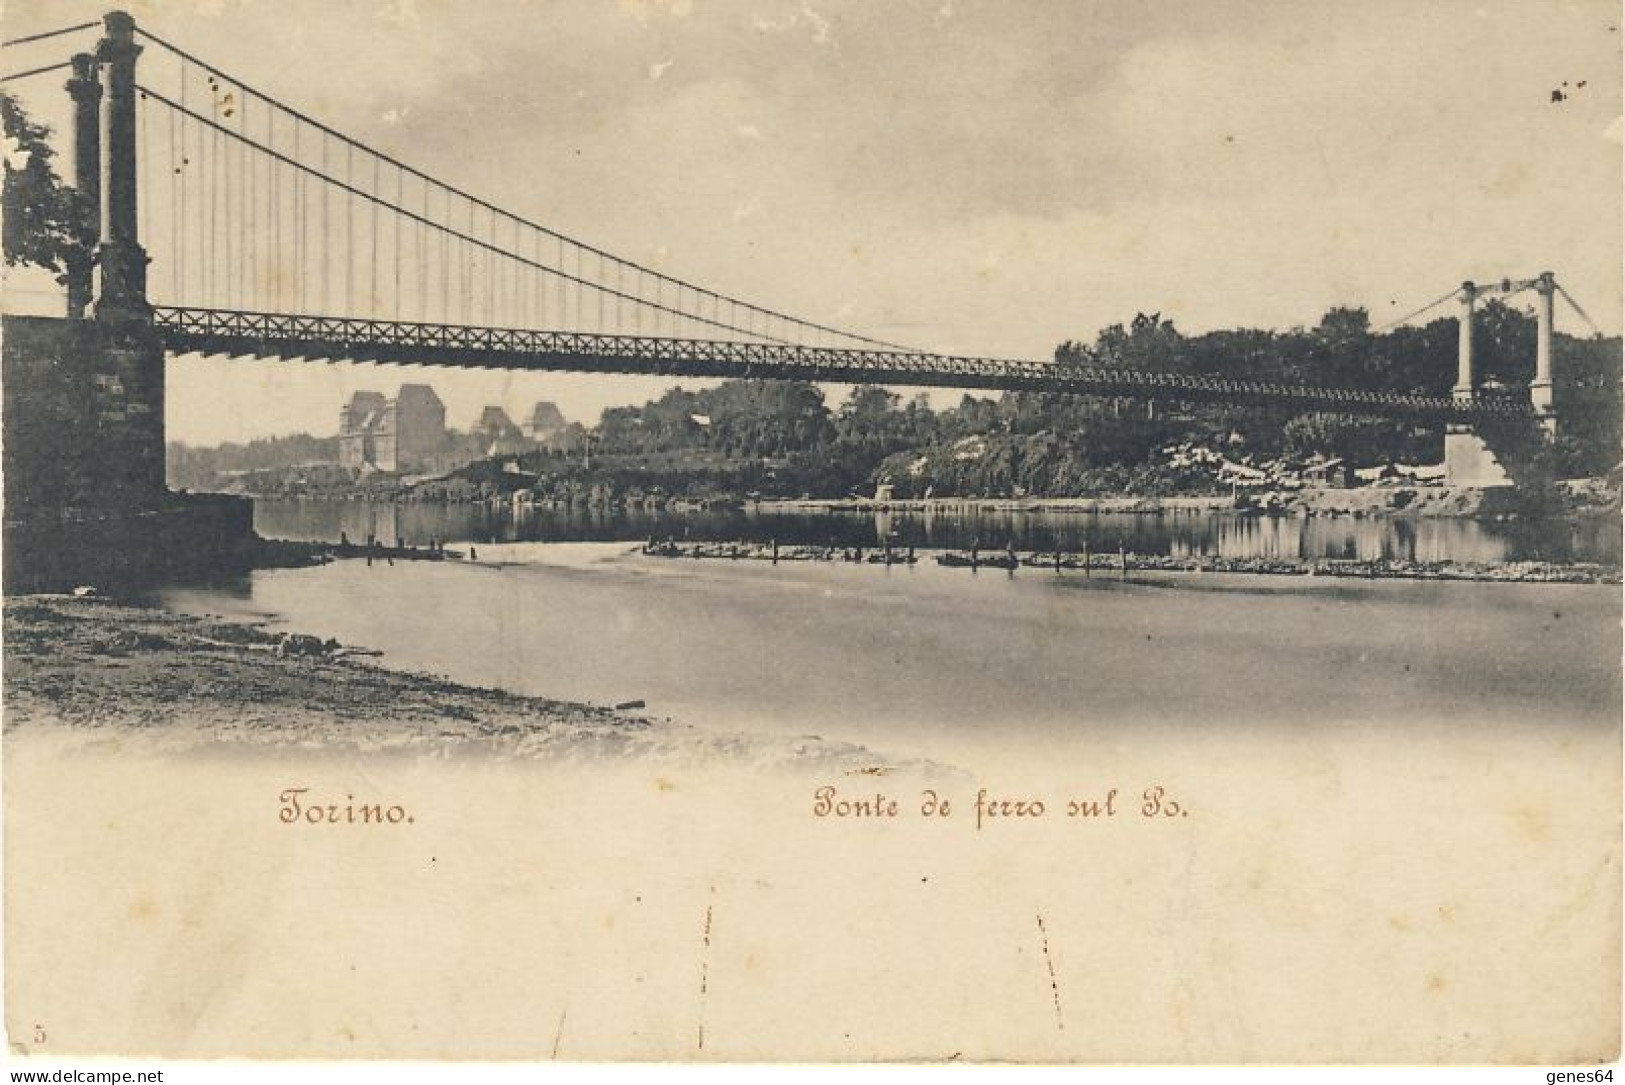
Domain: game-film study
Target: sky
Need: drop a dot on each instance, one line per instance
(985, 178)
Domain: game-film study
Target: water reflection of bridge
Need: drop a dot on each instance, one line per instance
(1177, 535)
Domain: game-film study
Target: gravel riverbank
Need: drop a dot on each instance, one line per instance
(100, 666)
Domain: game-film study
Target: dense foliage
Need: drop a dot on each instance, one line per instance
(45, 223)
(191, 468)
(1054, 445)
(782, 439)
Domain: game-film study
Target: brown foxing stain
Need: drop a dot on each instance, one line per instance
(1049, 963)
(1436, 983)
(663, 784)
(1581, 901)
(1534, 823)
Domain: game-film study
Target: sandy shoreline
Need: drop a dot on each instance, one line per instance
(95, 666)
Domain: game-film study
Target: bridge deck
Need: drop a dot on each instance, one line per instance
(271, 335)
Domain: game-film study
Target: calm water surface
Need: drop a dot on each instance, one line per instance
(950, 663)
(1176, 534)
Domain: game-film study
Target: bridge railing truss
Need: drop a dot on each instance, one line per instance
(240, 333)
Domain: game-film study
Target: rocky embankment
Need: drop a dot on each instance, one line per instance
(1579, 498)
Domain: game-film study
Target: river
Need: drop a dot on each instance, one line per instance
(1398, 809)
(946, 662)
(1175, 534)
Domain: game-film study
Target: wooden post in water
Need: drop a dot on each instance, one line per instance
(1086, 559)
(1122, 559)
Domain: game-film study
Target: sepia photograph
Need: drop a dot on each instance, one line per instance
(1044, 532)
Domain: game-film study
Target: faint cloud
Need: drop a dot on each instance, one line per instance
(658, 70)
(395, 116)
(399, 12)
(806, 17)
(819, 24)
(643, 10)
(766, 24)
(747, 209)
(1615, 133)
(748, 131)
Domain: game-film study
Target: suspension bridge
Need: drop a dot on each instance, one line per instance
(221, 220)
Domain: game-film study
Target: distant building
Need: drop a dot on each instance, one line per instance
(403, 434)
(497, 435)
(407, 434)
(1328, 471)
(547, 426)
(362, 430)
(420, 425)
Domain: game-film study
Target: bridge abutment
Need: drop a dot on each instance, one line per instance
(130, 413)
(86, 498)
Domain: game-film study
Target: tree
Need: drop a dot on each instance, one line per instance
(1148, 344)
(1504, 344)
(870, 421)
(46, 225)
(1359, 441)
(1340, 349)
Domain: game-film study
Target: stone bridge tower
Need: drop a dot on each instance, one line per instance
(1469, 458)
(85, 494)
(130, 387)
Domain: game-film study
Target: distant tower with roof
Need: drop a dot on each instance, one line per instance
(406, 433)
